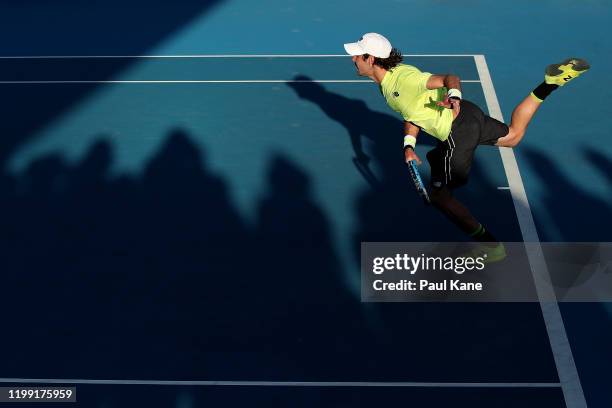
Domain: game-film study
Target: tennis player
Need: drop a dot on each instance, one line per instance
(434, 104)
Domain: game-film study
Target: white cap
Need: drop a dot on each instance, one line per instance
(371, 43)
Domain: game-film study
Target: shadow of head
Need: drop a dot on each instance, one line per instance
(179, 154)
(98, 159)
(305, 87)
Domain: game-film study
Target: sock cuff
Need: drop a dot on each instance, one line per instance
(536, 98)
(543, 90)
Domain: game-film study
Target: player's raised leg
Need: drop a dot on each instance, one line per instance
(556, 75)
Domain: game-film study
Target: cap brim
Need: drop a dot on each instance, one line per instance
(353, 49)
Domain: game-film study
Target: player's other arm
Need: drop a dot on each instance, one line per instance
(411, 132)
(447, 81)
(453, 96)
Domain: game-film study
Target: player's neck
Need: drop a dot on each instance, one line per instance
(378, 74)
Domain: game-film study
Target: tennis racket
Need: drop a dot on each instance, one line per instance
(418, 182)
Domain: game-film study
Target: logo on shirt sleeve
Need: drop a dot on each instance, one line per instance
(395, 94)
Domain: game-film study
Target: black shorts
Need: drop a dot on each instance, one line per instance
(451, 160)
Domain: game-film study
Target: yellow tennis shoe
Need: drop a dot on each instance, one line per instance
(560, 74)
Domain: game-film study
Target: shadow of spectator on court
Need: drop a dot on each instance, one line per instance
(562, 197)
(190, 246)
(159, 275)
(115, 269)
(304, 296)
(601, 162)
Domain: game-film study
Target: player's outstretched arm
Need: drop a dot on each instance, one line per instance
(411, 131)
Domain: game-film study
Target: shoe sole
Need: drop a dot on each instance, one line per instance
(578, 65)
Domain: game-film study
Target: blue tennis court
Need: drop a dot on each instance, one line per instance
(181, 226)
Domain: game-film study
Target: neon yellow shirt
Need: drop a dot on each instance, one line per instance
(404, 88)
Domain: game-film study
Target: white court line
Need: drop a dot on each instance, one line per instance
(562, 352)
(283, 383)
(216, 56)
(205, 81)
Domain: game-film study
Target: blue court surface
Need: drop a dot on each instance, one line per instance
(184, 189)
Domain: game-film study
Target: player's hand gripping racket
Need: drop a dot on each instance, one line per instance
(418, 182)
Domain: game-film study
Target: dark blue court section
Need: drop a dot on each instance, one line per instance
(68, 27)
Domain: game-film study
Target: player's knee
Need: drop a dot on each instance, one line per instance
(512, 139)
